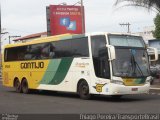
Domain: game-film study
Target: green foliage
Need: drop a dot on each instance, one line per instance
(156, 33)
(149, 4)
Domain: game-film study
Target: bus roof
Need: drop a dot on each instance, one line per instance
(47, 39)
(102, 33)
(62, 37)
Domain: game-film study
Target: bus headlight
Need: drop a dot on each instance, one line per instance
(149, 79)
(117, 82)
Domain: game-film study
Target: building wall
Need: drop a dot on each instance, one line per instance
(156, 44)
(147, 33)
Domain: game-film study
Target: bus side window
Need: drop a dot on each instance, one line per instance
(21, 56)
(80, 47)
(52, 51)
(12, 54)
(100, 56)
(45, 51)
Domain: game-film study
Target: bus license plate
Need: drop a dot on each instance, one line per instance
(134, 89)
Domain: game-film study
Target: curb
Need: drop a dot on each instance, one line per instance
(154, 91)
(154, 88)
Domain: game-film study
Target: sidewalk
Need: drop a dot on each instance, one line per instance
(155, 85)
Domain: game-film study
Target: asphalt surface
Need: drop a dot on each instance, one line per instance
(44, 102)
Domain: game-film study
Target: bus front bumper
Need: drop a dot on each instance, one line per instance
(115, 89)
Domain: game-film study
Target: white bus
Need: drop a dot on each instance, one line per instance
(100, 63)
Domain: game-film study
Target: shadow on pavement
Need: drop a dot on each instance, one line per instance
(103, 98)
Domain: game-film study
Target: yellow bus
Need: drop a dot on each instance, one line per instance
(97, 63)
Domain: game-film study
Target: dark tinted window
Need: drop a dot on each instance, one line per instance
(13, 54)
(63, 49)
(98, 43)
(80, 47)
(100, 56)
(57, 49)
(37, 51)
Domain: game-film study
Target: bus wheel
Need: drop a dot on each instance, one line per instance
(83, 90)
(25, 88)
(17, 86)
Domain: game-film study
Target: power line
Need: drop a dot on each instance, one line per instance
(126, 24)
(18, 30)
(12, 37)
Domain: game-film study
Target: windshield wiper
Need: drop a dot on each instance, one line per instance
(135, 65)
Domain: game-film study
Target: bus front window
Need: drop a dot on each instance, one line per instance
(130, 63)
(131, 56)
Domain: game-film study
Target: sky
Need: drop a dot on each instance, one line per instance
(24, 17)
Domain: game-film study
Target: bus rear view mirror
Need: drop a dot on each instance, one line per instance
(112, 52)
(153, 53)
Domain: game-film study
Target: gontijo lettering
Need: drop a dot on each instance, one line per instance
(30, 65)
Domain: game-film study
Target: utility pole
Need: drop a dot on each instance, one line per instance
(12, 37)
(0, 28)
(0, 42)
(126, 24)
(2, 33)
(82, 13)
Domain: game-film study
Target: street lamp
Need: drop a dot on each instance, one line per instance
(12, 37)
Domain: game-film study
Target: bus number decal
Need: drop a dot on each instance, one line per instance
(99, 87)
(7, 66)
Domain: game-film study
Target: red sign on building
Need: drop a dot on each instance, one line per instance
(65, 19)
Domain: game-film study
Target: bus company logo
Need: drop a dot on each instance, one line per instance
(99, 87)
(82, 65)
(32, 65)
(70, 25)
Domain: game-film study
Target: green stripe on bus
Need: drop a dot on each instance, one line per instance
(62, 71)
(140, 80)
(78, 36)
(72, 36)
(51, 71)
(65, 37)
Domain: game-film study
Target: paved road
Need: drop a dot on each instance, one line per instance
(49, 103)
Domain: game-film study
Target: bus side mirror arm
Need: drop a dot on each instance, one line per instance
(112, 52)
(155, 53)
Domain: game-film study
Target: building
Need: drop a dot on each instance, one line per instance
(147, 33)
(30, 37)
(156, 44)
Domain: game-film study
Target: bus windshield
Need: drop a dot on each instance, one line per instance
(124, 40)
(131, 57)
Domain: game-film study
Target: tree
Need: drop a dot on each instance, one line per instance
(156, 33)
(149, 4)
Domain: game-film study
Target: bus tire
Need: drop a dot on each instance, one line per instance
(17, 86)
(25, 88)
(83, 90)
